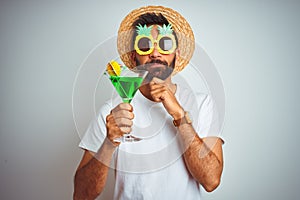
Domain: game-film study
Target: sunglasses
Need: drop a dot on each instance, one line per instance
(165, 44)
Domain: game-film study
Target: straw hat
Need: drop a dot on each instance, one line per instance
(186, 41)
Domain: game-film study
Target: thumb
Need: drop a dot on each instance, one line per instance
(157, 80)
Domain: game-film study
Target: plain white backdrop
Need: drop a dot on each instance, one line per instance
(254, 45)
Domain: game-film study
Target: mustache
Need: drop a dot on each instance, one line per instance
(157, 61)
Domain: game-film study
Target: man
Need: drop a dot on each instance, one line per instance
(180, 154)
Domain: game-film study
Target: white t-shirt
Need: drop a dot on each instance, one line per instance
(154, 168)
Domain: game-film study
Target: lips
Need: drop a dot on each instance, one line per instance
(155, 65)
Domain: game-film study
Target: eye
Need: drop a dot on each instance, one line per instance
(166, 43)
(144, 44)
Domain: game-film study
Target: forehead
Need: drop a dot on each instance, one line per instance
(157, 29)
(154, 30)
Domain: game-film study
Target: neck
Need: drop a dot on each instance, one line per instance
(145, 88)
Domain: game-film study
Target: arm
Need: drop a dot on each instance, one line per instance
(91, 174)
(203, 156)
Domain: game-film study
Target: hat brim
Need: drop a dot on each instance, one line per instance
(186, 40)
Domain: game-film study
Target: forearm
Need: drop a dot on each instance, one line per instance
(91, 178)
(204, 165)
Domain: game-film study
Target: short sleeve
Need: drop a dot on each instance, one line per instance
(202, 110)
(96, 131)
(206, 122)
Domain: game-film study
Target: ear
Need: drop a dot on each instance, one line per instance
(133, 57)
(177, 54)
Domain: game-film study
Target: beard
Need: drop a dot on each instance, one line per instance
(156, 68)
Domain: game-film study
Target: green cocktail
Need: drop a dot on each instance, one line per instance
(126, 86)
(126, 82)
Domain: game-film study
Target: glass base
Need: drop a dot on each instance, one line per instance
(127, 138)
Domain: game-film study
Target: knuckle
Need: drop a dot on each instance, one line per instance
(129, 129)
(131, 116)
(124, 129)
(125, 106)
(108, 117)
(130, 123)
(123, 113)
(118, 121)
(121, 105)
(122, 121)
(152, 93)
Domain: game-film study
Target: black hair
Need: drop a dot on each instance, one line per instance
(150, 19)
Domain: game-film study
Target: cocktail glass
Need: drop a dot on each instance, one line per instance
(126, 85)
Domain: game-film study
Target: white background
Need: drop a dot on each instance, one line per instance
(254, 45)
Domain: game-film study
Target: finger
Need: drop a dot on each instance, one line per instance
(156, 87)
(159, 94)
(118, 126)
(157, 80)
(124, 122)
(114, 124)
(126, 106)
(153, 83)
(110, 120)
(123, 106)
(125, 129)
(123, 114)
(109, 117)
(113, 130)
(111, 123)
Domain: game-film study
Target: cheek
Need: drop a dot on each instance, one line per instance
(170, 58)
(141, 59)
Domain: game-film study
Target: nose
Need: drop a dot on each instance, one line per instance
(155, 53)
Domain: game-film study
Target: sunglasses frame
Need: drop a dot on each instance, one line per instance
(153, 41)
